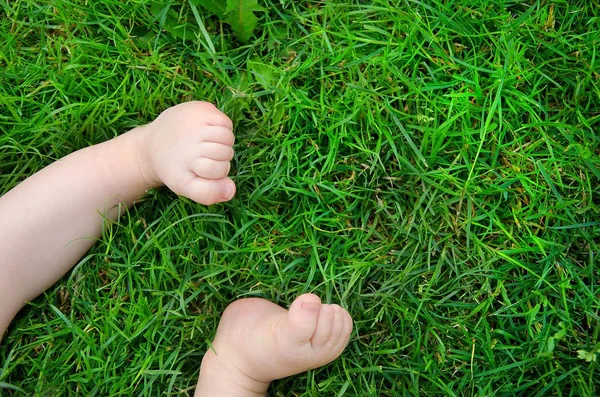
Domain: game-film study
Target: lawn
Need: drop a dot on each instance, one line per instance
(433, 166)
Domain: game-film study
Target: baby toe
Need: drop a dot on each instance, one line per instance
(215, 151)
(210, 169)
(338, 324)
(346, 331)
(324, 326)
(220, 135)
(208, 191)
(302, 318)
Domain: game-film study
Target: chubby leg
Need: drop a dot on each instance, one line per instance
(258, 341)
(51, 219)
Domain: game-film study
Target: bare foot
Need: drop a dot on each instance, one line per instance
(188, 148)
(258, 341)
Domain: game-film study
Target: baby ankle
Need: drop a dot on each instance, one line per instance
(220, 376)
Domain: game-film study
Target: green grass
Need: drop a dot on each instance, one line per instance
(433, 166)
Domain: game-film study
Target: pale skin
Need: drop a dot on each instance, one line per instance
(60, 211)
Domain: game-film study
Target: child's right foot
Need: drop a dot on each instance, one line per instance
(258, 341)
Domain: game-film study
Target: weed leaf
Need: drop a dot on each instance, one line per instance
(586, 355)
(214, 6)
(240, 15)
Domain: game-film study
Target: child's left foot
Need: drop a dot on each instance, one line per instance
(258, 341)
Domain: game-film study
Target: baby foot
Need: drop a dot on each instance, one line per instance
(258, 341)
(188, 148)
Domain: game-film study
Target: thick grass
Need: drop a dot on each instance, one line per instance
(433, 166)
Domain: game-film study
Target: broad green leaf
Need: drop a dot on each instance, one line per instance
(550, 346)
(560, 334)
(216, 7)
(171, 22)
(241, 17)
(264, 74)
(587, 356)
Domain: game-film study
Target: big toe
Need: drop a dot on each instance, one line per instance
(302, 318)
